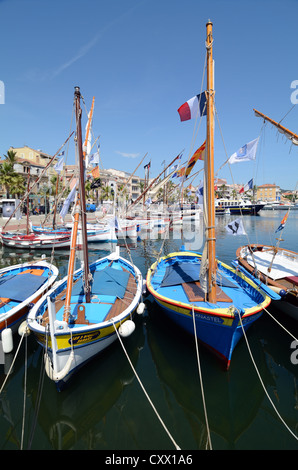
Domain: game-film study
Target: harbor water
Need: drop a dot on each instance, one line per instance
(252, 406)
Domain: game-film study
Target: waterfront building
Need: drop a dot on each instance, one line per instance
(268, 192)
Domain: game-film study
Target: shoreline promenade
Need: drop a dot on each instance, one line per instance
(20, 225)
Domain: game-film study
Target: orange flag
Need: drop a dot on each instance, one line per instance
(198, 155)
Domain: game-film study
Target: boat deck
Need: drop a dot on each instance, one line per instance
(179, 282)
(107, 306)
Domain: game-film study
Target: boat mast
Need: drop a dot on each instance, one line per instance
(82, 193)
(210, 169)
(80, 209)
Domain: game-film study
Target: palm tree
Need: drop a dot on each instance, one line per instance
(11, 157)
(8, 177)
(17, 185)
(106, 192)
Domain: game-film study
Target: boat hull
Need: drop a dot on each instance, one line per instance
(89, 335)
(94, 233)
(42, 241)
(283, 278)
(219, 327)
(12, 313)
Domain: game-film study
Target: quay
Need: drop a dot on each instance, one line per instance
(21, 224)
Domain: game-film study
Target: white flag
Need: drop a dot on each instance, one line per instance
(236, 228)
(94, 158)
(246, 153)
(59, 165)
(68, 200)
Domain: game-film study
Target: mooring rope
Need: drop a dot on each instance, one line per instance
(261, 381)
(280, 324)
(201, 380)
(143, 388)
(25, 393)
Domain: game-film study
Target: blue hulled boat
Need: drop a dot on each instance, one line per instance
(200, 294)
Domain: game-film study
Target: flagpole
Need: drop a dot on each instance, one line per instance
(132, 174)
(275, 249)
(152, 183)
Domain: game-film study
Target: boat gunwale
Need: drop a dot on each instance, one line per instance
(40, 329)
(216, 312)
(49, 281)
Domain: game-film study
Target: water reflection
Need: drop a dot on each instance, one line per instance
(105, 408)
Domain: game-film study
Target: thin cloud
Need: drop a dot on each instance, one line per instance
(81, 53)
(86, 48)
(128, 155)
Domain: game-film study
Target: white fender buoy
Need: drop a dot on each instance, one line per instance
(7, 341)
(127, 328)
(24, 329)
(278, 290)
(141, 308)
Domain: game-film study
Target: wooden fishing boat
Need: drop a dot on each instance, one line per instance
(21, 286)
(204, 296)
(36, 241)
(95, 232)
(274, 266)
(83, 314)
(89, 327)
(277, 268)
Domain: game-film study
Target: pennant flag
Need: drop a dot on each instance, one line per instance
(94, 158)
(245, 153)
(180, 172)
(61, 154)
(283, 223)
(198, 155)
(68, 200)
(199, 192)
(247, 186)
(95, 172)
(96, 183)
(59, 165)
(236, 228)
(194, 107)
(147, 166)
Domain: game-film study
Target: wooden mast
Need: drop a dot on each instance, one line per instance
(80, 208)
(210, 169)
(28, 192)
(56, 201)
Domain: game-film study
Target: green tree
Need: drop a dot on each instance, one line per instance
(12, 181)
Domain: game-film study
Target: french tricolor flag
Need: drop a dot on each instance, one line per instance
(194, 107)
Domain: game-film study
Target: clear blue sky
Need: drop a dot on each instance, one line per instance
(142, 59)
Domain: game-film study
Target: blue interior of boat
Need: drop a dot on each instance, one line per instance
(108, 284)
(180, 272)
(108, 281)
(171, 273)
(17, 289)
(93, 315)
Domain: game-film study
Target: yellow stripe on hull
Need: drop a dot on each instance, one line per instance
(79, 339)
(225, 313)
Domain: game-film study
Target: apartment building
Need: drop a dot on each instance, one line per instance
(268, 192)
(33, 161)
